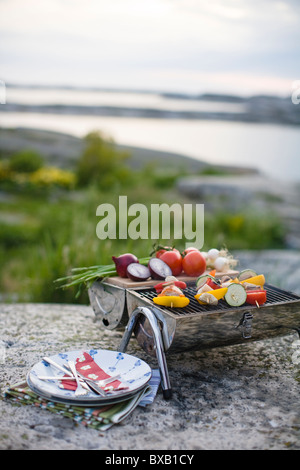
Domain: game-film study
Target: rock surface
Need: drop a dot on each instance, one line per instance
(243, 397)
(281, 267)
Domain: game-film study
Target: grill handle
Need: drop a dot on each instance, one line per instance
(158, 344)
(246, 325)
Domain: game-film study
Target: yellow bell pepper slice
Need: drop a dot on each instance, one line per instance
(171, 301)
(217, 293)
(259, 280)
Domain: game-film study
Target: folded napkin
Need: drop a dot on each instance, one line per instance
(101, 418)
(86, 365)
(154, 383)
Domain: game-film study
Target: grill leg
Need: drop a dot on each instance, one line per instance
(158, 343)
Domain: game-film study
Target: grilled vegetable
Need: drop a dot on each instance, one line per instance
(259, 280)
(213, 283)
(171, 290)
(218, 294)
(207, 279)
(207, 299)
(171, 296)
(203, 289)
(246, 274)
(172, 301)
(256, 297)
(236, 295)
(159, 287)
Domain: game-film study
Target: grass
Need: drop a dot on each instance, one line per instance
(53, 237)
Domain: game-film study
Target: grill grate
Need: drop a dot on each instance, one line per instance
(274, 296)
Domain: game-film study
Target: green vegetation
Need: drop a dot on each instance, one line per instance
(101, 164)
(26, 161)
(48, 219)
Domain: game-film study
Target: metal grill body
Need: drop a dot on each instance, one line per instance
(163, 330)
(200, 327)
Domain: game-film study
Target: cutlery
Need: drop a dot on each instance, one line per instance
(80, 391)
(61, 368)
(101, 383)
(107, 381)
(89, 382)
(92, 385)
(57, 377)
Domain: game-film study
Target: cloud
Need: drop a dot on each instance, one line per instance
(130, 40)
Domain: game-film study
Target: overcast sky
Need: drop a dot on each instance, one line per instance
(171, 45)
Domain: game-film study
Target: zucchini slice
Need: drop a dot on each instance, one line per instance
(236, 295)
(245, 274)
(203, 280)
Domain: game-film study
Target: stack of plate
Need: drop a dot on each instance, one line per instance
(135, 374)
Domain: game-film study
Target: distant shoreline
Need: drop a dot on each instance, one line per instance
(262, 108)
(258, 111)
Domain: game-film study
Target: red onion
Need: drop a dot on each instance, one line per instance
(122, 262)
(138, 272)
(159, 269)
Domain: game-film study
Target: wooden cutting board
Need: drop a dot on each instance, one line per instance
(129, 284)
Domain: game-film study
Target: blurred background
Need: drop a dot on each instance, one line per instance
(186, 101)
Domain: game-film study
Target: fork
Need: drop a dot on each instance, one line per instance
(62, 368)
(80, 391)
(91, 384)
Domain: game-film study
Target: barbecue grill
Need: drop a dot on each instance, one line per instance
(162, 331)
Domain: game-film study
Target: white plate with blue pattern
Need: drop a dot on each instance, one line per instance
(135, 375)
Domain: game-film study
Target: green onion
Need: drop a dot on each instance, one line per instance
(86, 275)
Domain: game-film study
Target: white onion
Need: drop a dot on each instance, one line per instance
(213, 253)
(221, 263)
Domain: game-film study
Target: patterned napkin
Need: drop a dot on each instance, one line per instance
(86, 365)
(101, 418)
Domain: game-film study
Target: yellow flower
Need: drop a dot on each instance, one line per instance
(4, 171)
(52, 176)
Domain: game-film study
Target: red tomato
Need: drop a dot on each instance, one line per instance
(161, 251)
(213, 284)
(159, 287)
(191, 248)
(173, 259)
(256, 297)
(194, 263)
